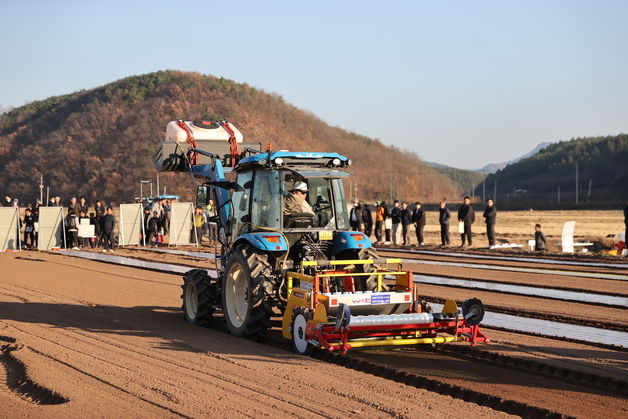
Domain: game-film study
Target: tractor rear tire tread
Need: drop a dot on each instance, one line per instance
(256, 265)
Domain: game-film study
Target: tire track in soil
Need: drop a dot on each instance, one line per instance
(14, 376)
(118, 366)
(536, 367)
(454, 391)
(314, 407)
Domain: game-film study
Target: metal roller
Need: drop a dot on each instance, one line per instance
(391, 319)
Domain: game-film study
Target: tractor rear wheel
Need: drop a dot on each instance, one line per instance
(366, 283)
(198, 297)
(245, 301)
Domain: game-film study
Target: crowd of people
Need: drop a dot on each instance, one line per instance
(157, 222)
(78, 213)
(392, 225)
(389, 225)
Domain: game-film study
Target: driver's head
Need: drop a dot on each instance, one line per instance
(299, 189)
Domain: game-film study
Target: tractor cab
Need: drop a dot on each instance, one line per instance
(310, 223)
(261, 195)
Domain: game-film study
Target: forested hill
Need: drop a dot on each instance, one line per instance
(99, 142)
(538, 181)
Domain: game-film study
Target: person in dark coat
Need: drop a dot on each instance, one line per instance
(443, 219)
(466, 216)
(355, 217)
(367, 218)
(395, 215)
(83, 206)
(100, 211)
(490, 215)
(539, 239)
(405, 216)
(29, 229)
(71, 226)
(153, 226)
(418, 218)
(74, 206)
(626, 222)
(108, 223)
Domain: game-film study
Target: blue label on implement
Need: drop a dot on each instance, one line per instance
(380, 299)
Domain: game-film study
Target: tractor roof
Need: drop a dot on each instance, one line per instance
(295, 158)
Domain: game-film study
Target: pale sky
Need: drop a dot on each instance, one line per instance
(458, 82)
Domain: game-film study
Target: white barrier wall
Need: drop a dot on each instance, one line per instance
(9, 229)
(51, 228)
(131, 224)
(181, 223)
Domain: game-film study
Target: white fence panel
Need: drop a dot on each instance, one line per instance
(131, 224)
(181, 223)
(9, 230)
(51, 228)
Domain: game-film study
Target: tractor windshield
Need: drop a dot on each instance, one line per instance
(324, 195)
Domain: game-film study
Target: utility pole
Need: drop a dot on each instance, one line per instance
(559, 194)
(590, 181)
(47, 195)
(483, 188)
(495, 191)
(41, 189)
(390, 183)
(157, 183)
(576, 183)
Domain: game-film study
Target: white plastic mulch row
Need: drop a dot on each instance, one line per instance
(514, 259)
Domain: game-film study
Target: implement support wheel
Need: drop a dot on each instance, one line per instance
(299, 325)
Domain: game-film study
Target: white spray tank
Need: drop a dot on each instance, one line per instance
(180, 131)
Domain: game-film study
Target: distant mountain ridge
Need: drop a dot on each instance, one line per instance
(494, 167)
(98, 143)
(596, 165)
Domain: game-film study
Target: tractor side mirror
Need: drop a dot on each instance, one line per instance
(202, 196)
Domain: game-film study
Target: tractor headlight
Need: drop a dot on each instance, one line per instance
(262, 162)
(335, 162)
(349, 162)
(278, 161)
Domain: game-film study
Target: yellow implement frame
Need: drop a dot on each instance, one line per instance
(309, 279)
(307, 294)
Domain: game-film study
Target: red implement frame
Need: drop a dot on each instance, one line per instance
(332, 339)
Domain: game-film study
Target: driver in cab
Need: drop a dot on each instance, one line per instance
(296, 201)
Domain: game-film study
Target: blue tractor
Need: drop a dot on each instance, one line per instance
(261, 239)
